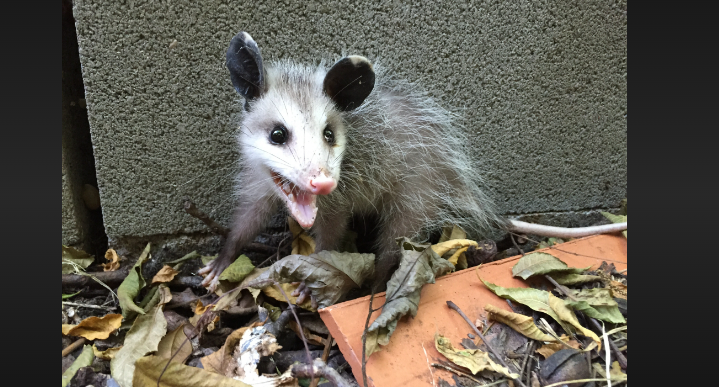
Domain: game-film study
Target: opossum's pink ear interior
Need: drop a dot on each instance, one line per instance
(349, 82)
(245, 64)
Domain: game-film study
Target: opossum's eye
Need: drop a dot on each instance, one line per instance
(278, 135)
(329, 135)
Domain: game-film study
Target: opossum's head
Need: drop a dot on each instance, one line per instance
(292, 132)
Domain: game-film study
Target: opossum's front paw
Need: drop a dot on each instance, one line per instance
(302, 292)
(212, 275)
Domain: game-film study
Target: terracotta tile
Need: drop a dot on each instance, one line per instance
(406, 360)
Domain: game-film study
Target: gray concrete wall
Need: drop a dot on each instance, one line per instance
(543, 86)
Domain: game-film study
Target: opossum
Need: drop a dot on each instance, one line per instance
(351, 140)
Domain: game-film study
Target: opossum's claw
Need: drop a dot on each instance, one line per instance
(302, 292)
(213, 276)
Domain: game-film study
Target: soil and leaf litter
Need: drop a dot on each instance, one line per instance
(569, 325)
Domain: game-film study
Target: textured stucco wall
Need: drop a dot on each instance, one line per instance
(543, 86)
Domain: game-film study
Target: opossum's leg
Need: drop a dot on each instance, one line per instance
(249, 220)
(329, 230)
(401, 223)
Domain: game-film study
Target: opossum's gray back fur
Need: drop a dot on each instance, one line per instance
(406, 156)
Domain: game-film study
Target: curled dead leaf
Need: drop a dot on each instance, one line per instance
(549, 349)
(166, 274)
(114, 264)
(94, 327)
(474, 359)
(107, 354)
(520, 323)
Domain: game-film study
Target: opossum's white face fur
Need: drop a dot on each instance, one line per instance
(292, 133)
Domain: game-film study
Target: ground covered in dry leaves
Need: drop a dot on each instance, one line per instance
(123, 326)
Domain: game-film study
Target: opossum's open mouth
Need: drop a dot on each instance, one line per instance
(302, 204)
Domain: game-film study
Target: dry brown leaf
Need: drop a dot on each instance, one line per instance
(311, 337)
(107, 354)
(474, 359)
(271, 291)
(520, 323)
(548, 350)
(217, 362)
(175, 342)
(619, 290)
(94, 327)
(148, 369)
(166, 274)
(114, 263)
(302, 243)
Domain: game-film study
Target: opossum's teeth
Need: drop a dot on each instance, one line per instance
(286, 188)
(303, 207)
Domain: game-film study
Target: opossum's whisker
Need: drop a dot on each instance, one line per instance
(277, 157)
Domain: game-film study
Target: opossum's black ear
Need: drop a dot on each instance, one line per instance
(349, 82)
(245, 64)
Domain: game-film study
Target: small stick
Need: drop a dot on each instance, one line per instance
(325, 355)
(618, 354)
(88, 306)
(73, 346)
(511, 236)
(319, 368)
(481, 336)
(217, 228)
(364, 340)
(530, 348)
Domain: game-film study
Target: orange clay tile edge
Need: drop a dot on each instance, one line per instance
(406, 360)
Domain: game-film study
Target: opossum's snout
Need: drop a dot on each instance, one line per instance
(322, 185)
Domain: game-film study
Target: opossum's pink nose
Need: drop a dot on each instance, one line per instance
(322, 185)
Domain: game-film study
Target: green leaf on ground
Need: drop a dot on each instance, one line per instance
(84, 360)
(141, 339)
(573, 279)
(597, 303)
(474, 359)
(72, 256)
(66, 296)
(238, 270)
(541, 263)
(131, 286)
(419, 265)
(207, 259)
(533, 298)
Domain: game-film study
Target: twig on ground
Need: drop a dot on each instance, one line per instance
(73, 346)
(89, 306)
(110, 278)
(325, 355)
(217, 228)
(319, 368)
(617, 353)
(491, 349)
(364, 340)
(511, 236)
(530, 348)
